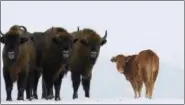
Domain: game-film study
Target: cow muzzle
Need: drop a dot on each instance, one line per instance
(93, 54)
(121, 70)
(65, 54)
(11, 55)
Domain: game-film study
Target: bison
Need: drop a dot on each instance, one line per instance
(138, 69)
(84, 54)
(18, 61)
(53, 47)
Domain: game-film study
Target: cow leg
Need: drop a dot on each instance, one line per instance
(29, 86)
(134, 86)
(21, 85)
(140, 85)
(86, 86)
(76, 83)
(57, 85)
(8, 85)
(37, 74)
(146, 87)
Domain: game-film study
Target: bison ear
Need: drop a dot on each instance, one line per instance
(23, 40)
(84, 41)
(103, 42)
(55, 40)
(2, 40)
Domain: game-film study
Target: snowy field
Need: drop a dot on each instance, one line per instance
(132, 27)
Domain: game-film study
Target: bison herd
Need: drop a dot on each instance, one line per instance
(52, 53)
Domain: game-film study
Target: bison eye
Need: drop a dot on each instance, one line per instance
(84, 42)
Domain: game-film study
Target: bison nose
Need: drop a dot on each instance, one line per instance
(94, 54)
(65, 53)
(11, 55)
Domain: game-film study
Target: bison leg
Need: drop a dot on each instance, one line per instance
(43, 89)
(8, 85)
(29, 86)
(76, 83)
(57, 85)
(49, 86)
(86, 86)
(134, 86)
(37, 75)
(21, 85)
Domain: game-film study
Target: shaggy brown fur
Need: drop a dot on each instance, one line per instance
(24, 56)
(138, 69)
(81, 64)
(17, 41)
(51, 46)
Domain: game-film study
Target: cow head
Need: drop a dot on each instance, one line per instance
(64, 41)
(12, 41)
(93, 44)
(121, 61)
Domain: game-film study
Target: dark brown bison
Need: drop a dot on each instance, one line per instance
(139, 68)
(18, 61)
(53, 47)
(83, 57)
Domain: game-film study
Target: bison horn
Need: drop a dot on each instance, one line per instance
(24, 28)
(78, 29)
(105, 36)
(1, 33)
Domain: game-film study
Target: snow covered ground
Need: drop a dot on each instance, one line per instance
(132, 26)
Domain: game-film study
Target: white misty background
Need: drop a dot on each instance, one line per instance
(132, 27)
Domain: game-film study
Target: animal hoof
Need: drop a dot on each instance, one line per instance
(35, 96)
(49, 97)
(20, 98)
(9, 99)
(30, 99)
(57, 98)
(75, 96)
(87, 95)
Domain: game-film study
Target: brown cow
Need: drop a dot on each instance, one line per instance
(138, 69)
(125, 65)
(148, 67)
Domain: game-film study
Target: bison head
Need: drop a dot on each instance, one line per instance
(93, 44)
(12, 41)
(64, 42)
(121, 61)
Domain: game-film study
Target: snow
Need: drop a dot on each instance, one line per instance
(132, 27)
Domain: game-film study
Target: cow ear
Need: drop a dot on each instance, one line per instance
(128, 58)
(23, 40)
(84, 41)
(103, 42)
(113, 59)
(2, 40)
